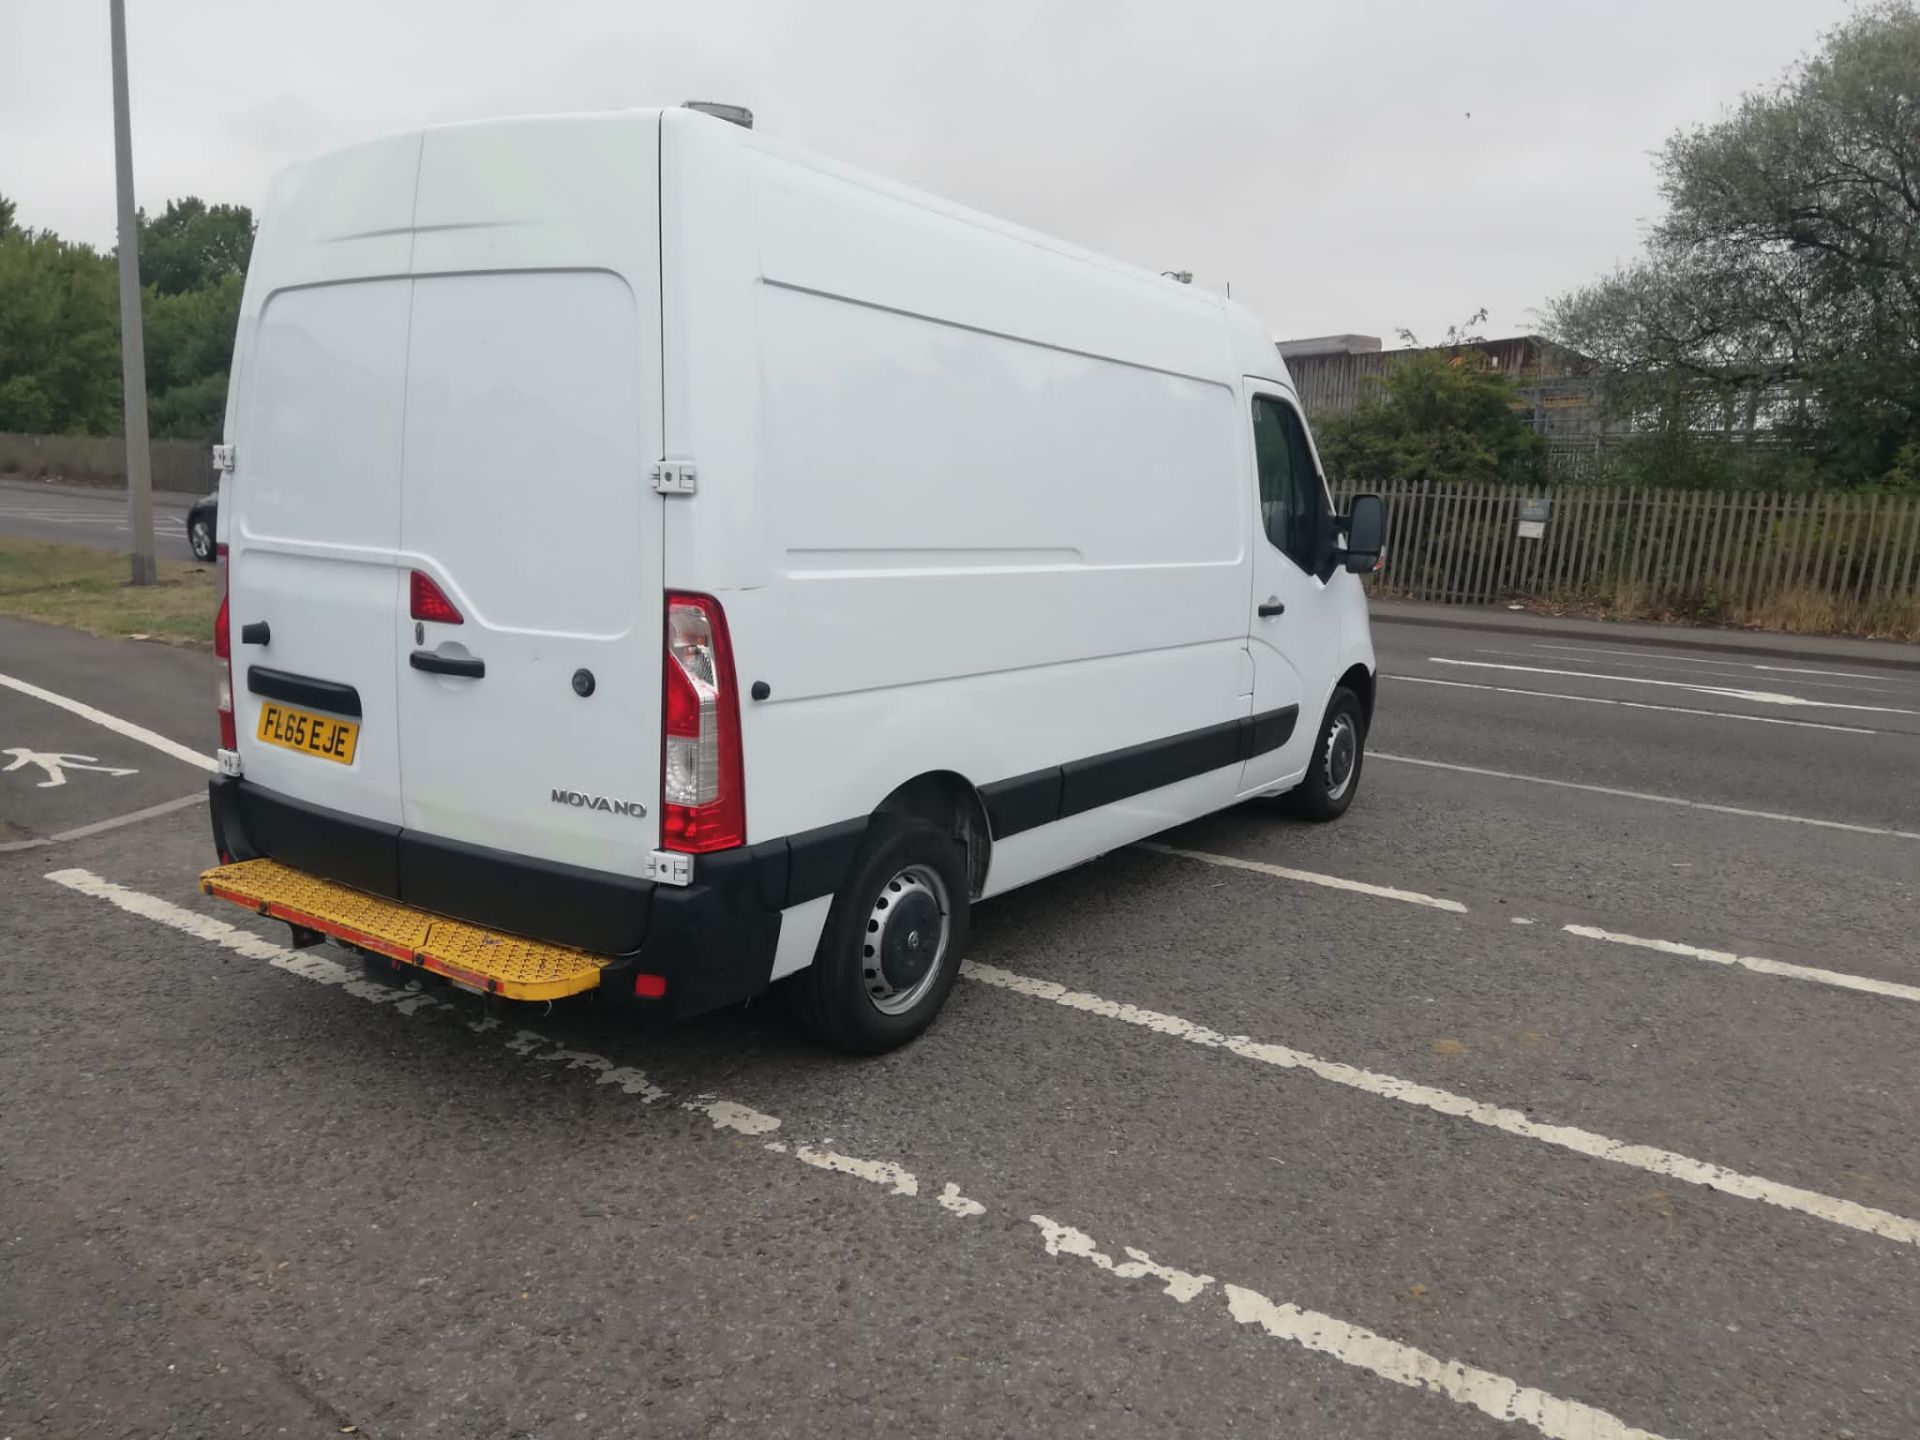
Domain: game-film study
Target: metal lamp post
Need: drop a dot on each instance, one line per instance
(133, 357)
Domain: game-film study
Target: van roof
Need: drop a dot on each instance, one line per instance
(1253, 350)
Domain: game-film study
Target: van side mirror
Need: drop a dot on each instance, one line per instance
(1366, 527)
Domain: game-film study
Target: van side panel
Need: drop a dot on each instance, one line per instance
(973, 503)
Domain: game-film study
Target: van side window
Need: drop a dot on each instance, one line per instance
(1290, 489)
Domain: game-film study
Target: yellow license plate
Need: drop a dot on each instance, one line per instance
(310, 734)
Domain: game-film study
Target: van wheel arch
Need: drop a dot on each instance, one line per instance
(1359, 680)
(950, 801)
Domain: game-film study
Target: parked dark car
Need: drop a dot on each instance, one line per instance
(201, 527)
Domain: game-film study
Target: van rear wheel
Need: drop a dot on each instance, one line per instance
(1333, 771)
(891, 948)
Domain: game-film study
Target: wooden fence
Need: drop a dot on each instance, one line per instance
(1710, 552)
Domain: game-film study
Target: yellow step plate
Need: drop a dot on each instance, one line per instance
(485, 960)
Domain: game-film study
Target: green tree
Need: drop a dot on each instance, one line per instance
(59, 336)
(60, 323)
(1444, 416)
(1780, 293)
(194, 246)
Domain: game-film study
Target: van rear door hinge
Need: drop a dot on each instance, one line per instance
(223, 459)
(675, 477)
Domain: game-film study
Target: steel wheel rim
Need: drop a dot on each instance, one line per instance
(905, 941)
(1342, 756)
(202, 541)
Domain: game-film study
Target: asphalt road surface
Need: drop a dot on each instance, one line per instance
(1565, 1087)
(74, 515)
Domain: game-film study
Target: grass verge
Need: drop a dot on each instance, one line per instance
(88, 590)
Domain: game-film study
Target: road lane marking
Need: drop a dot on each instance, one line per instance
(1645, 795)
(1632, 704)
(1309, 877)
(114, 723)
(1758, 964)
(1468, 1385)
(1350, 1344)
(81, 832)
(1690, 667)
(1690, 661)
(1652, 1159)
(1353, 1345)
(1723, 692)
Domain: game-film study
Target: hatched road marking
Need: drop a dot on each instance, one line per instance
(1653, 1160)
(1350, 1344)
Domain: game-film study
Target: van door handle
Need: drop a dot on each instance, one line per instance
(1271, 608)
(434, 663)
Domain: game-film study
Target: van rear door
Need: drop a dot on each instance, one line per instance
(533, 724)
(532, 423)
(315, 522)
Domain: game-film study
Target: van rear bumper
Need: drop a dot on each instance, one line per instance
(712, 941)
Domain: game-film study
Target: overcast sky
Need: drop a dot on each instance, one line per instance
(1344, 164)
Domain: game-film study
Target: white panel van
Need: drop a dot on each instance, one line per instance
(663, 562)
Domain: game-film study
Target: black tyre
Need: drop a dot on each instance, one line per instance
(891, 948)
(200, 537)
(1333, 772)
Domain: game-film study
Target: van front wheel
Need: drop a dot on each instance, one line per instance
(1333, 770)
(891, 948)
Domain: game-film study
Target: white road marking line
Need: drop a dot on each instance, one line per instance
(1647, 796)
(1355, 1345)
(1061, 1239)
(952, 1199)
(81, 832)
(1759, 965)
(1649, 1158)
(1690, 667)
(1689, 661)
(1463, 1384)
(883, 1173)
(1631, 704)
(1350, 1344)
(726, 1115)
(1723, 692)
(1310, 877)
(114, 723)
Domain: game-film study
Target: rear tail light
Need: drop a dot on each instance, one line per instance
(702, 787)
(430, 602)
(223, 651)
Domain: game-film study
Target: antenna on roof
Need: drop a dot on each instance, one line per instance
(733, 114)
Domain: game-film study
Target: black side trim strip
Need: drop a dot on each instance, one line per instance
(1022, 803)
(1089, 784)
(1029, 801)
(301, 690)
(818, 860)
(1270, 731)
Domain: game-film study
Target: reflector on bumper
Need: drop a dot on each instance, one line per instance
(486, 960)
